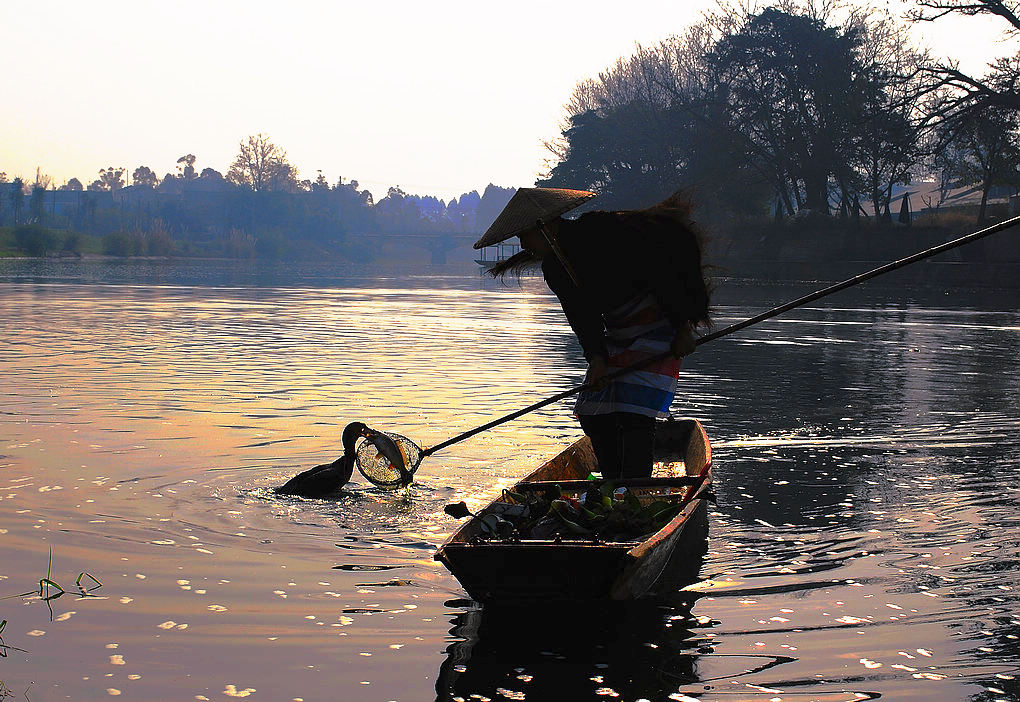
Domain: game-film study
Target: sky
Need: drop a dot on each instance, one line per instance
(437, 97)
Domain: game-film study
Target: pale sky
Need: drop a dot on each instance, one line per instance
(437, 97)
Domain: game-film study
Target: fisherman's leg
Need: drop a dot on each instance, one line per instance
(637, 441)
(603, 430)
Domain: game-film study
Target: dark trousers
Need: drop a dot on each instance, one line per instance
(623, 443)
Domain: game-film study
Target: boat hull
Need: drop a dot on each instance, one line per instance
(534, 569)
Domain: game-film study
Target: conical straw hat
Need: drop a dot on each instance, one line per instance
(526, 207)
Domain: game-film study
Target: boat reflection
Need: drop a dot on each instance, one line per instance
(645, 648)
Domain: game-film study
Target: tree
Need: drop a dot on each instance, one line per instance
(959, 94)
(988, 144)
(943, 164)
(262, 165)
(432, 209)
(186, 167)
(283, 178)
(37, 203)
(73, 184)
(889, 143)
(320, 184)
(463, 212)
(633, 134)
(745, 108)
(33, 239)
(398, 212)
(16, 195)
(622, 152)
(792, 86)
(931, 10)
(110, 179)
(143, 175)
(493, 200)
(42, 179)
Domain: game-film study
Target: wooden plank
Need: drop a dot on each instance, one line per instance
(575, 485)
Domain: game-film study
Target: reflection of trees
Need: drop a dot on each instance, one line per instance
(932, 399)
(845, 388)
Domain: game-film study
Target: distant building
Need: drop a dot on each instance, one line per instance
(924, 192)
(69, 203)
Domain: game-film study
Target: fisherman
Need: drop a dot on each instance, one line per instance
(632, 286)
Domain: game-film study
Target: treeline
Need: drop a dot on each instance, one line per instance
(259, 208)
(785, 111)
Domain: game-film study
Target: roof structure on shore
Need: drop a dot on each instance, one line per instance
(926, 195)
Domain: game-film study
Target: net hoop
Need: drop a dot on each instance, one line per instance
(377, 469)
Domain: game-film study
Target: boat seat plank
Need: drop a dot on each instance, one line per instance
(576, 485)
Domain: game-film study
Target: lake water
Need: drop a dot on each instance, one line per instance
(865, 544)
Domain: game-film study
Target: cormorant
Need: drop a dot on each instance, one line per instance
(330, 477)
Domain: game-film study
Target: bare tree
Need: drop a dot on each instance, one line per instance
(262, 165)
(43, 180)
(931, 10)
(989, 146)
(942, 165)
(891, 132)
(956, 95)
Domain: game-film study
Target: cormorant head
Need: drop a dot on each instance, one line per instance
(352, 432)
(386, 447)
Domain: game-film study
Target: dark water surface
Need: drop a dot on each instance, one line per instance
(865, 545)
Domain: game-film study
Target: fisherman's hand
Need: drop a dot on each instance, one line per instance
(597, 371)
(683, 344)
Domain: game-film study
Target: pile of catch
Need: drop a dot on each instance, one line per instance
(602, 512)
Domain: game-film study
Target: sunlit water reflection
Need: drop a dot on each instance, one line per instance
(865, 543)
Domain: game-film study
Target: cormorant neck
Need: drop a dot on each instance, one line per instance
(346, 462)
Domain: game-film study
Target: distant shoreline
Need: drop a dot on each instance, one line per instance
(973, 274)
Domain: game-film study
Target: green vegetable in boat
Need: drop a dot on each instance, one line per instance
(601, 512)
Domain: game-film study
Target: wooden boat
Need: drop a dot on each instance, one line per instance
(517, 569)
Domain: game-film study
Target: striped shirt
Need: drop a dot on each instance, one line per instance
(635, 331)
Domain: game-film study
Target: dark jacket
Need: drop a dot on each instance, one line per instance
(618, 256)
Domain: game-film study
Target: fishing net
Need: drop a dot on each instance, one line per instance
(379, 470)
